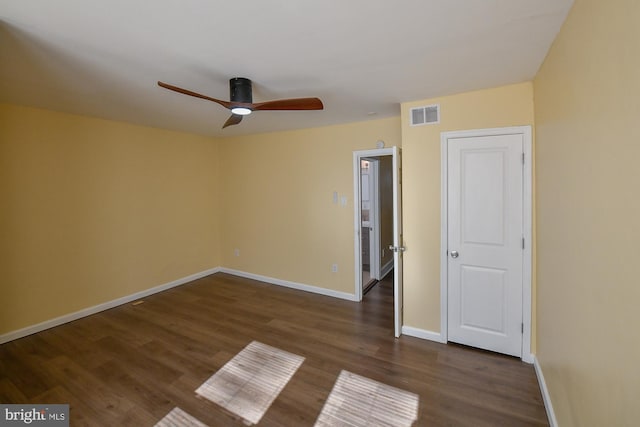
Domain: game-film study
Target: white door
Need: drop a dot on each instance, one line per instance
(485, 242)
(398, 243)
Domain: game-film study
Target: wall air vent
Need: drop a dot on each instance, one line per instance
(427, 115)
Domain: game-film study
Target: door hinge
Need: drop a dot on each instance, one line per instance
(522, 328)
(523, 158)
(523, 243)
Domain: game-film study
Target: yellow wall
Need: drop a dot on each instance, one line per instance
(588, 147)
(499, 107)
(93, 210)
(278, 201)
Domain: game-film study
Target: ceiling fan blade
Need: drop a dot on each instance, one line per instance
(290, 104)
(233, 120)
(225, 104)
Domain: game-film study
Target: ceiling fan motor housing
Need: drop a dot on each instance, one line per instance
(240, 90)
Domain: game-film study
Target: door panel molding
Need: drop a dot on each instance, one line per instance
(526, 133)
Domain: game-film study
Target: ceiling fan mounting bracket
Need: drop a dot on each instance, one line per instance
(240, 90)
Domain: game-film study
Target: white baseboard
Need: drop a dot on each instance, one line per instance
(386, 269)
(288, 284)
(14, 335)
(551, 415)
(424, 334)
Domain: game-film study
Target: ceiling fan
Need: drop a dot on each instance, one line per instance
(241, 103)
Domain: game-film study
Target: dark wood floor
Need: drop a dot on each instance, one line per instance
(129, 366)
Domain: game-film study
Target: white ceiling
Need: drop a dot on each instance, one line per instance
(361, 57)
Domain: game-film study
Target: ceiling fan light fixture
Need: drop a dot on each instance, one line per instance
(241, 111)
(241, 100)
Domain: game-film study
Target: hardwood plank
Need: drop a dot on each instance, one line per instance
(107, 405)
(80, 412)
(132, 364)
(19, 369)
(10, 393)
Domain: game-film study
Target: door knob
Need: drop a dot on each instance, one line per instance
(454, 254)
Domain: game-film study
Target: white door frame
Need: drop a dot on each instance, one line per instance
(527, 193)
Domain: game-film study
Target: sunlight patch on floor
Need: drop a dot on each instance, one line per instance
(248, 384)
(179, 418)
(360, 401)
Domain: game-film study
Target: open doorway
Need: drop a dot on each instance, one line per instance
(376, 219)
(383, 188)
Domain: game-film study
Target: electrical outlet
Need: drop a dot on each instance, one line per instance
(334, 268)
(236, 252)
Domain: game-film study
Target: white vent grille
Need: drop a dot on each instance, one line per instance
(427, 115)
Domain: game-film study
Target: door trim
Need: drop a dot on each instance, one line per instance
(527, 195)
